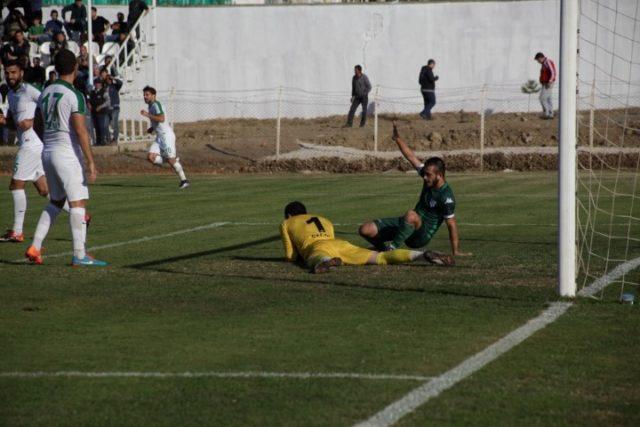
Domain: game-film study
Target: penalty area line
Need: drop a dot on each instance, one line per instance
(432, 388)
(214, 374)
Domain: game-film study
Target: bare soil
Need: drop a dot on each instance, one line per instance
(247, 145)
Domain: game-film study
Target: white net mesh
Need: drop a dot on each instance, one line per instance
(609, 143)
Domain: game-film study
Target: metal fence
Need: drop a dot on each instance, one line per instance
(280, 109)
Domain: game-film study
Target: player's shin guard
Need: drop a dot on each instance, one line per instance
(47, 218)
(398, 256)
(405, 230)
(178, 168)
(78, 231)
(19, 209)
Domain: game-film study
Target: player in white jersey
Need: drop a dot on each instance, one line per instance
(164, 146)
(23, 100)
(66, 148)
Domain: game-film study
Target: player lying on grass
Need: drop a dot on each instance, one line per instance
(416, 228)
(310, 238)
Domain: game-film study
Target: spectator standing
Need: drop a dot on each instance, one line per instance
(99, 25)
(113, 86)
(77, 23)
(548, 76)
(136, 9)
(130, 46)
(32, 10)
(360, 88)
(53, 25)
(120, 26)
(427, 82)
(100, 106)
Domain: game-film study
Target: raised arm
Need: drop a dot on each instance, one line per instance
(404, 149)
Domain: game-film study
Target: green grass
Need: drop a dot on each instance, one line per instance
(221, 299)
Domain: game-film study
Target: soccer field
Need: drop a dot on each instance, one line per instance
(196, 290)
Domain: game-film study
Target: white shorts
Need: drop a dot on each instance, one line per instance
(65, 176)
(28, 164)
(165, 146)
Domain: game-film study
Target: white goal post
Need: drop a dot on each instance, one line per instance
(567, 148)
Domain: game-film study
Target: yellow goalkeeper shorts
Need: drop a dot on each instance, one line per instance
(336, 248)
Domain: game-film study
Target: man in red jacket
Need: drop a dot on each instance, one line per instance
(547, 79)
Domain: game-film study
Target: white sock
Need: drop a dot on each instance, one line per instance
(78, 231)
(178, 168)
(47, 218)
(414, 255)
(19, 209)
(157, 160)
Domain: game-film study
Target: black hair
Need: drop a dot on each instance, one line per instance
(93, 9)
(359, 67)
(431, 61)
(437, 162)
(65, 62)
(539, 55)
(14, 63)
(149, 89)
(54, 11)
(294, 208)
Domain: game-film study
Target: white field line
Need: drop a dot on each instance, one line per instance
(214, 374)
(422, 394)
(139, 240)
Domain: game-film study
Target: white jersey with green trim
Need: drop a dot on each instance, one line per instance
(23, 102)
(161, 129)
(58, 102)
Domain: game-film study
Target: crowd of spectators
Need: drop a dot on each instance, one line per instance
(23, 32)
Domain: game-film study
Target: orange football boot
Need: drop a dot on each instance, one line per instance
(33, 255)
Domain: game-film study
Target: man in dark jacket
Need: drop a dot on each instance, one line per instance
(77, 23)
(100, 109)
(113, 86)
(360, 88)
(136, 9)
(428, 88)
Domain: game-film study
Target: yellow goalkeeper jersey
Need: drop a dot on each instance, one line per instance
(300, 232)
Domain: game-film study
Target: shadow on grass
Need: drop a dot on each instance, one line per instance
(144, 265)
(126, 185)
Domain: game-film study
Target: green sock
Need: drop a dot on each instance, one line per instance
(405, 230)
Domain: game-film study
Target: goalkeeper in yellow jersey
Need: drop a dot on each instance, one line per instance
(310, 238)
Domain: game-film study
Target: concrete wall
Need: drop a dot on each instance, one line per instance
(316, 47)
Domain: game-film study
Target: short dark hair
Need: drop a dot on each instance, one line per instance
(437, 162)
(431, 61)
(539, 55)
(65, 62)
(93, 9)
(358, 67)
(149, 89)
(14, 63)
(53, 11)
(294, 208)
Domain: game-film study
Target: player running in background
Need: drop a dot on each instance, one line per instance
(310, 238)
(65, 140)
(165, 145)
(416, 228)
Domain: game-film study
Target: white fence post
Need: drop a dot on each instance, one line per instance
(278, 123)
(483, 94)
(375, 118)
(172, 107)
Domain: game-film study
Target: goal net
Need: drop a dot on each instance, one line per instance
(608, 119)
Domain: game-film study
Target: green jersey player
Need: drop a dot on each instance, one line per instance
(436, 205)
(67, 160)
